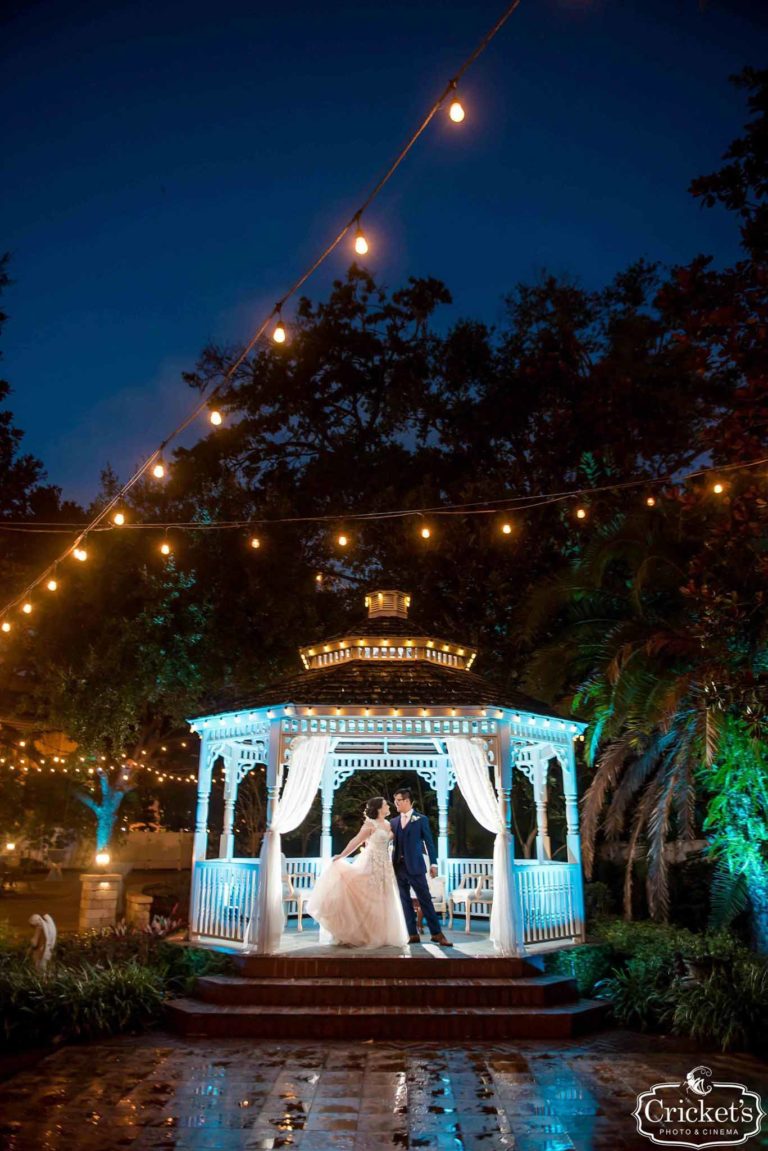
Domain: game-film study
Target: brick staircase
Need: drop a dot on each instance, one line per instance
(359, 997)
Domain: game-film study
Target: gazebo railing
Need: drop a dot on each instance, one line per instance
(223, 901)
(549, 896)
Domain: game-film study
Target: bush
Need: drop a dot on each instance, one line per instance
(100, 983)
(706, 986)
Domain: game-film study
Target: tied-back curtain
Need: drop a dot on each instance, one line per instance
(470, 764)
(303, 779)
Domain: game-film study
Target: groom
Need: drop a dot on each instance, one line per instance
(412, 838)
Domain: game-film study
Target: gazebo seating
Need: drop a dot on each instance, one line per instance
(296, 892)
(475, 887)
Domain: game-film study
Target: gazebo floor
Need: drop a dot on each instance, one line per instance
(312, 991)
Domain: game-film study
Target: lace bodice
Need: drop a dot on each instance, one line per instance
(377, 852)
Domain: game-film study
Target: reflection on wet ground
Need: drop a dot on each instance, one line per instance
(159, 1092)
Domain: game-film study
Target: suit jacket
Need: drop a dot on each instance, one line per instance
(411, 842)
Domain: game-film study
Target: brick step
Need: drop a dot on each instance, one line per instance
(192, 1017)
(540, 990)
(445, 965)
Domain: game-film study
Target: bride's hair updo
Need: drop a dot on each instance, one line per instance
(373, 806)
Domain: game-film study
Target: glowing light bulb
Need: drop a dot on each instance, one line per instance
(425, 533)
(718, 489)
(456, 111)
(52, 585)
(215, 417)
(118, 518)
(102, 858)
(255, 542)
(279, 333)
(80, 554)
(5, 626)
(158, 471)
(319, 577)
(651, 501)
(165, 548)
(361, 244)
(506, 529)
(342, 541)
(581, 513)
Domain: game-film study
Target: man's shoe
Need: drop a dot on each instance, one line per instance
(441, 940)
(414, 939)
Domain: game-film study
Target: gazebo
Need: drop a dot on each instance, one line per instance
(388, 694)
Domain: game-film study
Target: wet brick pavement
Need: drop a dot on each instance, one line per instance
(160, 1092)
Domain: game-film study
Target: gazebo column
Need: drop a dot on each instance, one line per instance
(326, 800)
(506, 769)
(273, 770)
(227, 837)
(442, 817)
(573, 834)
(541, 794)
(204, 774)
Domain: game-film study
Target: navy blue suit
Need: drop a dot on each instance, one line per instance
(409, 846)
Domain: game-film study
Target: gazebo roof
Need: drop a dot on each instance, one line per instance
(387, 661)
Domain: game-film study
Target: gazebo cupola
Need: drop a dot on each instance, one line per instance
(387, 635)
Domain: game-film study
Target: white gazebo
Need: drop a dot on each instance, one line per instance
(388, 695)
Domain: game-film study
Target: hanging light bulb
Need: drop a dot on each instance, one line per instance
(52, 585)
(342, 540)
(361, 244)
(5, 626)
(80, 554)
(255, 542)
(165, 548)
(425, 533)
(215, 417)
(26, 607)
(456, 109)
(651, 502)
(118, 518)
(506, 529)
(718, 489)
(279, 333)
(158, 471)
(319, 577)
(581, 513)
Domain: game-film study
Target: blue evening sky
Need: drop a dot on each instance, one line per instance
(171, 167)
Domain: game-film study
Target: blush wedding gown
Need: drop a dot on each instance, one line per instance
(358, 903)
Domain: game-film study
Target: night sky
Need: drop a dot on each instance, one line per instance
(171, 167)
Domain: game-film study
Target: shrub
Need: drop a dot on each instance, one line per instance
(729, 1009)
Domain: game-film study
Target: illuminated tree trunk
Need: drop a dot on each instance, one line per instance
(106, 808)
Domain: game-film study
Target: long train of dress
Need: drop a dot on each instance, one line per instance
(358, 903)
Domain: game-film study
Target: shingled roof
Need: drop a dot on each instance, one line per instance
(387, 661)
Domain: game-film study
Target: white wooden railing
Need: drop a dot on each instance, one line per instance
(549, 896)
(550, 901)
(223, 901)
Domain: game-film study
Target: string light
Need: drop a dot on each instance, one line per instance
(506, 529)
(119, 519)
(254, 542)
(5, 626)
(158, 470)
(52, 585)
(26, 607)
(342, 540)
(456, 110)
(80, 554)
(215, 417)
(278, 334)
(165, 548)
(718, 489)
(581, 513)
(651, 501)
(361, 244)
(425, 533)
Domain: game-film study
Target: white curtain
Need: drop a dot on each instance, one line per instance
(470, 762)
(305, 771)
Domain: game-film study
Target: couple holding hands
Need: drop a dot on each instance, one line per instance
(369, 903)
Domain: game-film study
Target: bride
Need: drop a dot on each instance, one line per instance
(358, 902)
